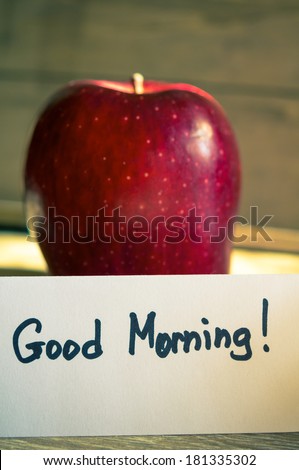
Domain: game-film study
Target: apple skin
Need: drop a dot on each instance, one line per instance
(99, 144)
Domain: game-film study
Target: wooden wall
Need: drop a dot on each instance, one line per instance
(244, 52)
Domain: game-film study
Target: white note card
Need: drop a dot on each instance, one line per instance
(137, 355)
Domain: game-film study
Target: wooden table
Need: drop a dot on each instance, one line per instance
(28, 260)
(206, 442)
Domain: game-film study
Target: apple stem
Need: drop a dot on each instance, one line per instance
(138, 80)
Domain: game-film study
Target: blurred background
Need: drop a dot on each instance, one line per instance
(244, 52)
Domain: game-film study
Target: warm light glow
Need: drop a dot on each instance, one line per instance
(263, 262)
(16, 253)
(19, 254)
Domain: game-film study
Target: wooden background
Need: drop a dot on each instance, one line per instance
(245, 52)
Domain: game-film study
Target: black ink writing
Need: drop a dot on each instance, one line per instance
(165, 343)
(91, 349)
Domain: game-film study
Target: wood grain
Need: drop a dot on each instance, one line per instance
(216, 441)
(244, 53)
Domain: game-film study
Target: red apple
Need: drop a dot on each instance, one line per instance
(158, 160)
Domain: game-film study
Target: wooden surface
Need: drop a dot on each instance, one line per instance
(23, 258)
(209, 441)
(245, 52)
